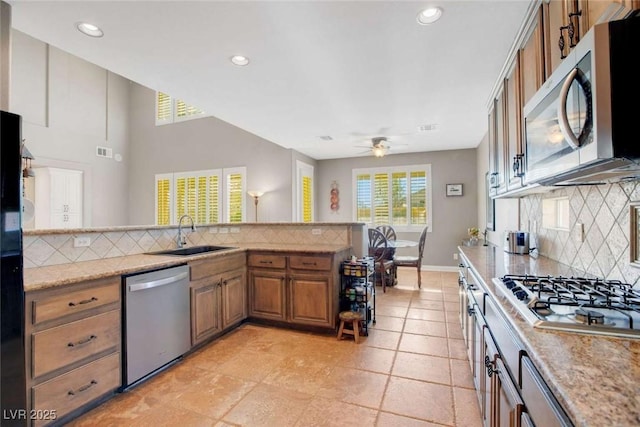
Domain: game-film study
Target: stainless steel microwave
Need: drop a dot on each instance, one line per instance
(582, 126)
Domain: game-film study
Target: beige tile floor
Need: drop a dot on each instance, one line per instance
(412, 370)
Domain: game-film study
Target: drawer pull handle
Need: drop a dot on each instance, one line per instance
(308, 263)
(83, 388)
(266, 262)
(84, 301)
(91, 338)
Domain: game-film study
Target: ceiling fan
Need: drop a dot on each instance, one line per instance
(379, 146)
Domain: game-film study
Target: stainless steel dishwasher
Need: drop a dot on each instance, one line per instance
(157, 320)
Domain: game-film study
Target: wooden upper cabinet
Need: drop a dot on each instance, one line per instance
(556, 19)
(513, 128)
(532, 59)
(500, 141)
(592, 10)
(493, 167)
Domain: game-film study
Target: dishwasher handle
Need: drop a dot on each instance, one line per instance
(160, 282)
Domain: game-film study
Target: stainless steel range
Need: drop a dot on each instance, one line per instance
(603, 307)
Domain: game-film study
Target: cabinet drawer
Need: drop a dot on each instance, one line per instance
(60, 346)
(97, 294)
(267, 261)
(210, 267)
(67, 392)
(299, 262)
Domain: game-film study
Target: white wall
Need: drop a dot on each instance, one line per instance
(452, 216)
(70, 106)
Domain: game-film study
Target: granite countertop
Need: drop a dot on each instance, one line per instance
(595, 378)
(64, 274)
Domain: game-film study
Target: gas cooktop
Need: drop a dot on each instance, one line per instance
(604, 307)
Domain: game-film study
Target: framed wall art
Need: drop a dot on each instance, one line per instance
(454, 190)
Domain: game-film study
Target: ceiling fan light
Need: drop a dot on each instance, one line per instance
(429, 15)
(378, 151)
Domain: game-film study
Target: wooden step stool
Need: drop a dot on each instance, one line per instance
(354, 318)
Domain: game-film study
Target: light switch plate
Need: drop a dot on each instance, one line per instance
(234, 230)
(223, 230)
(316, 231)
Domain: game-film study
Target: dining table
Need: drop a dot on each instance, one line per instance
(400, 243)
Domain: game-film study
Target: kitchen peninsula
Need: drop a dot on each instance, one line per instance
(74, 309)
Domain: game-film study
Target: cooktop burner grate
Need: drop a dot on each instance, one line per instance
(574, 303)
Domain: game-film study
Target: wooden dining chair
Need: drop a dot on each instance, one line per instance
(391, 236)
(379, 250)
(413, 261)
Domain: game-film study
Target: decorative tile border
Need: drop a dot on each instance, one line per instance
(604, 211)
(57, 248)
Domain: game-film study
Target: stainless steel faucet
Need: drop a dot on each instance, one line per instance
(181, 240)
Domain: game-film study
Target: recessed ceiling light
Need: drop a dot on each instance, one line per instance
(240, 60)
(89, 29)
(429, 15)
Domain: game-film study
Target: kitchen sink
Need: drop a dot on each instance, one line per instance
(194, 250)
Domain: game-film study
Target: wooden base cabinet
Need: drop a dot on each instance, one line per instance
(295, 288)
(73, 341)
(218, 296)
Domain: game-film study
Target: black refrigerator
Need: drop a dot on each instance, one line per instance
(12, 361)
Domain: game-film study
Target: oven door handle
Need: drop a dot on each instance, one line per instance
(563, 121)
(155, 283)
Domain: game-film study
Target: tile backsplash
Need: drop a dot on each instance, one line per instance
(42, 249)
(604, 211)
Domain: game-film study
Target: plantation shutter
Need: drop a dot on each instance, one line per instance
(363, 198)
(418, 194)
(163, 199)
(181, 196)
(307, 212)
(164, 112)
(381, 198)
(235, 196)
(399, 198)
(213, 202)
(184, 110)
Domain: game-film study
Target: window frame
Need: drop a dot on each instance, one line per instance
(390, 170)
(173, 107)
(223, 214)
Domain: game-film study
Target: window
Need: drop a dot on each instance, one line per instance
(304, 192)
(555, 213)
(199, 194)
(169, 110)
(399, 196)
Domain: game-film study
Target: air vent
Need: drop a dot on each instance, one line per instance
(104, 152)
(427, 128)
(326, 138)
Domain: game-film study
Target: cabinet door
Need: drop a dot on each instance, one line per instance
(311, 300)
(513, 117)
(267, 298)
(509, 406)
(234, 298)
(532, 59)
(205, 311)
(556, 13)
(497, 147)
(592, 10)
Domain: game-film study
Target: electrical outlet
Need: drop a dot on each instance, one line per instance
(455, 256)
(234, 230)
(223, 230)
(316, 231)
(213, 230)
(81, 242)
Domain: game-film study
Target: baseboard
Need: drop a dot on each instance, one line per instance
(439, 268)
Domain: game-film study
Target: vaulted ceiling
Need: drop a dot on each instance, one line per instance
(348, 70)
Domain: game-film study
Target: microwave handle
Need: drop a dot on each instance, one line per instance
(565, 128)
